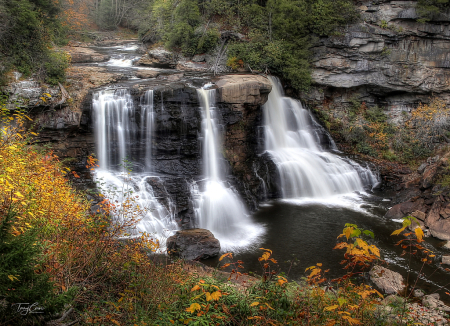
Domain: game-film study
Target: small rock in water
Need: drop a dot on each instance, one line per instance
(447, 245)
(446, 260)
(418, 293)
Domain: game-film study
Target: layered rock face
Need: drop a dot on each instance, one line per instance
(387, 59)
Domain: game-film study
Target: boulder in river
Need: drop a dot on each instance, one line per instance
(193, 244)
(386, 280)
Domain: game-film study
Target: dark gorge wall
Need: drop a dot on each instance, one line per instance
(176, 148)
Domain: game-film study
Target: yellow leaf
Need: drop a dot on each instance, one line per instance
(120, 300)
(195, 288)
(315, 271)
(348, 232)
(352, 321)
(331, 308)
(216, 295)
(396, 232)
(172, 322)
(254, 304)
(12, 278)
(374, 250)
(265, 256)
(362, 243)
(194, 307)
(419, 233)
(228, 254)
(115, 322)
(268, 306)
(208, 296)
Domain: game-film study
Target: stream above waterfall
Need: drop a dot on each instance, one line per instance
(170, 176)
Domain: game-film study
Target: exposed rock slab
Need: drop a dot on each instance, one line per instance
(193, 244)
(244, 89)
(386, 280)
(85, 55)
(147, 73)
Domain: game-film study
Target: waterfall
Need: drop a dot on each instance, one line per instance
(116, 133)
(147, 122)
(217, 207)
(305, 169)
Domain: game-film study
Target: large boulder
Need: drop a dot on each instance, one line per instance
(404, 209)
(386, 280)
(243, 89)
(193, 244)
(441, 229)
(159, 58)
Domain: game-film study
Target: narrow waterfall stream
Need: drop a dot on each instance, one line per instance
(116, 132)
(305, 169)
(218, 208)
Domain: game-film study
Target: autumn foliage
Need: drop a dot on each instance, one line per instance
(81, 252)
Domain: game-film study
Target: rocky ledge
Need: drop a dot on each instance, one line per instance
(243, 89)
(193, 244)
(426, 197)
(85, 55)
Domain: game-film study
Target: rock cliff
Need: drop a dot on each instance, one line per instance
(388, 58)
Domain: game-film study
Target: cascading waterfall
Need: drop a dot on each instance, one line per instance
(305, 169)
(147, 119)
(116, 132)
(218, 208)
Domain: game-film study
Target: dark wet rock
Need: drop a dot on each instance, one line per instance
(386, 280)
(193, 244)
(428, 176)
(433, 215)
(404, 209)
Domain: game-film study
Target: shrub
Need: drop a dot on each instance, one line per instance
(55, 67)
(23, 282)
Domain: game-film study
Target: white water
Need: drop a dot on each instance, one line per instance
(305, 169)
(217, 207)
(116, 131)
